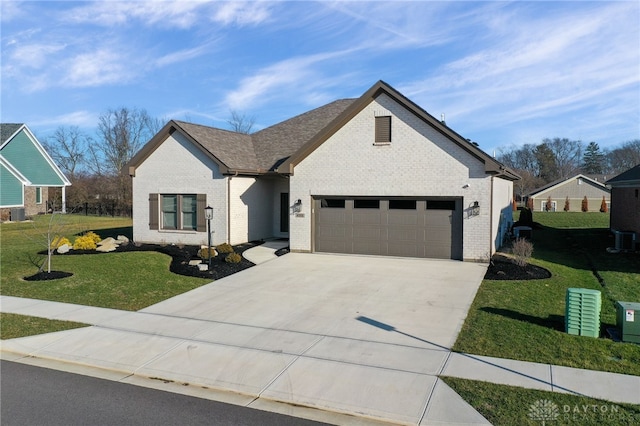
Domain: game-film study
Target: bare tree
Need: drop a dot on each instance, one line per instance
(567, 155)
(122, 133)
(625, 157)
(240, 123)
(68, 148)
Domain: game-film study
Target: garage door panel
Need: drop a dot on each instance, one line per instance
(366, 217)
(396, 227)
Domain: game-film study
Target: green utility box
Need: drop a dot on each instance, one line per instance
(628, 321)
(582, 316)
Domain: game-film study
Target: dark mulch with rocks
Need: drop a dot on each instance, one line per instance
(504, 268)
(180, 257)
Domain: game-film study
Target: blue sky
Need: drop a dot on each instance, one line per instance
(504, 73)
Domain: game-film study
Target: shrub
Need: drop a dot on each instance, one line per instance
(585, 204)
(203, 253)
(548, 205)
(224, 248)
(233, 258)
(530, 203)
(566, 204)
(522, 250)
(59, 241)
(84, 243)
(603, 205)
(95, 237)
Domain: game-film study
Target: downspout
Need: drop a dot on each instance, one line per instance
(491, 219)
(228, 209)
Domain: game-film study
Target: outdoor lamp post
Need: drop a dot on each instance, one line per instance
(208, 214)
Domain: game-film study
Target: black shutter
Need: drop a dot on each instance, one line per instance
(383, 129)
(201, 203)
(153, 212)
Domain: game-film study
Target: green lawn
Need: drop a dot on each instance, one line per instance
(525, 319)
(509, 405)
(128, 281)
(12, 325)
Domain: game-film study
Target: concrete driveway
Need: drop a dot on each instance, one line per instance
(349, 334)
(355, 333)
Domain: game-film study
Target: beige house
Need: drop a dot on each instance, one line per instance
(575, 189)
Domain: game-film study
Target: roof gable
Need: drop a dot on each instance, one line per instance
(22, 150)
(566, 181)
(280, 147)
(492, 166)
(629, 177)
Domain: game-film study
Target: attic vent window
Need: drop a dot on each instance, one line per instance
(383, 129)
(579, 181)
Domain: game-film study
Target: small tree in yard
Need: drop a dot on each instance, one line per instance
(566, 204)
(522, 251)
(548, 205)
(603, 205)
(48, 234)
(585, 204)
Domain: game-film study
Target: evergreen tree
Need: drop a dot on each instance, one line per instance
(593, 159)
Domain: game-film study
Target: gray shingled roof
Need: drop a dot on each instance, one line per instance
(264, 150)
(234, 150)
(8, 129)
(631, 175)
(276, 143)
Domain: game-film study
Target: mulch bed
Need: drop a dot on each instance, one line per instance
(180, 257)
(504, 268)
(46, 276)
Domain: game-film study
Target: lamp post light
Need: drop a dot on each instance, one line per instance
(208, 214)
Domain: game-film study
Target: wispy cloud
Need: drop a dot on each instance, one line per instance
(172, 14)
(294, 73)
(97, 68)
(554, 63)
(81, 119)
(241, 13)
(183, 55)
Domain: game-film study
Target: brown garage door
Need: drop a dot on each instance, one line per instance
(393, 226)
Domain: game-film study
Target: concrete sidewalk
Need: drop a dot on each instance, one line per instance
(303, 335)
(132, 346)
(297, 374)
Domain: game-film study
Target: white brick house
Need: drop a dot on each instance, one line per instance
(374, 175)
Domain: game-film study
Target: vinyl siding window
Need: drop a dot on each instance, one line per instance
(383, 129)
(38, 195)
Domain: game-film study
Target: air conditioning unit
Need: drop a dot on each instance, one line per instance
(625, 240)
(17, 214)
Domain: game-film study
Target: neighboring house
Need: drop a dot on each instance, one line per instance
(26, 173)
(576, 188)
(374, 175)
(625, 203)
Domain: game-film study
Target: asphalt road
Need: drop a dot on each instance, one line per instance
(39, 396)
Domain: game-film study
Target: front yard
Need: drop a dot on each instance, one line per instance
(524, 320)
(128, 281)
